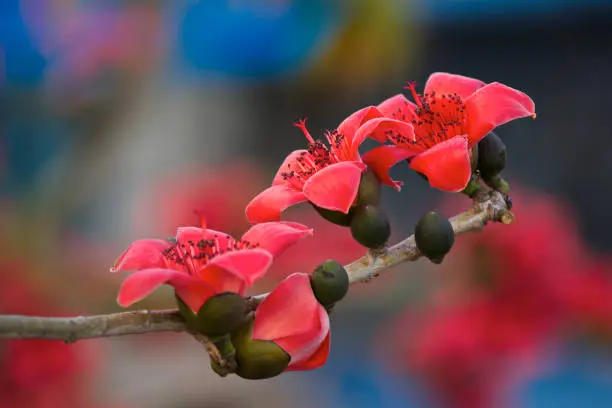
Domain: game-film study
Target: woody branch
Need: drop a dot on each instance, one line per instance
(487, 206)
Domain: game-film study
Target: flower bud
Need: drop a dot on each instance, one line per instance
(257, 359)
(370, 226)
(219, 315)
(369, 188)
(497, 183)
(491, 156)
(434, 236)
(329, 282)
(336, 217)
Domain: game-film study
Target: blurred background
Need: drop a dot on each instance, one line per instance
(119, 118)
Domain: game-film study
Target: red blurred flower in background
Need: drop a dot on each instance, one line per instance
(194, 192)
(328, 176)
(40, 373)
(508, 295)
(203, 262)
(450, 117)
(292, 317)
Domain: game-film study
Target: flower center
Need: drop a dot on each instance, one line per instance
(437, 117)
(318, 156)
(193, 255)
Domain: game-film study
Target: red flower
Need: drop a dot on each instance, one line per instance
(292, 318)
(40, 373)
(453, 114)
(329, 176)
(203, 262)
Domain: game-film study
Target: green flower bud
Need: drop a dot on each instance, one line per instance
(434, 236)
(491, 156)
(369, 188)
(257, 359)
(498, 183)
(219, 315)
(329, 282)
(336, 217)
(370, 226)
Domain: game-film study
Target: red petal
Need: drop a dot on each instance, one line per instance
(301, 347)
(270, 203)
(349, 126)
(288, 164)
(398, 107)
(140, 284)
(335, 187)
(446, 165)
(443, 84)
(247, 264)
(275, 237)
(318, 359)
(383, 129)
(494, 105)
(382, 158)
(222, 280)
(142, 254)
(290, 310)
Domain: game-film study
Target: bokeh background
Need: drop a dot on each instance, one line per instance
(119, 118)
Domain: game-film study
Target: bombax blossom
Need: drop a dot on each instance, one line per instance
(291, 317)
(452, 115)
(328, 175)
(200, 262)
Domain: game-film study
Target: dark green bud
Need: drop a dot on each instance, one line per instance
(491, 156)
(257, 359)
(329, 282)
(434, 236)
(336, 217)
(219, 315)
(498, 183)
(369, 188)
(370, 226)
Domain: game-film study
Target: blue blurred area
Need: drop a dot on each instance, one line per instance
(23, 62)
(463, 10)
(580, 379)
(255, 39)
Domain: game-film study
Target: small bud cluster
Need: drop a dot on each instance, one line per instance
(228, 322)
(368, 222)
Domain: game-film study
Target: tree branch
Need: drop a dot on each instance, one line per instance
(488, 206)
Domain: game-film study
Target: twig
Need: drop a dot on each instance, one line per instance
(488, 206)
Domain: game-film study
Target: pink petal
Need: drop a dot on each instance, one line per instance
(494, 105)
(318, 359)
(398, 107)
(142, 254)
(335, 187)
(301, 347)
(349, 126)
(290, 310)
(443, 84)
(270, 203)
(382, 158)
(247, 264)
(288, 164)
(383, 129)
(276, 237)
(222, 280)
(446, 165)
(140, 284)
